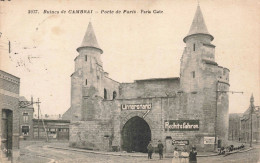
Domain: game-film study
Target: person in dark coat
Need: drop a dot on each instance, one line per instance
(160, 149)
(150, 150)
(193, 155)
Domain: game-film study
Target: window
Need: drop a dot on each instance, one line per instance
(25, 117)
(105, 94)
(114, 95)
(25, 130)
(193, 74)
(86, 58)
(86, 82)
(194, 47)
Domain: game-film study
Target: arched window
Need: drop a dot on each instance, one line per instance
(114, 95)
(194, 46)
(105, 94)
(86, 81)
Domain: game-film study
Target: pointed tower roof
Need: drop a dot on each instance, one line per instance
(89, 39)
(198, 25)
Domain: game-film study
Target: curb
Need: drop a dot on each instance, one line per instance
(115, 154)
(240, 151)
(96, 152)
(131, 155)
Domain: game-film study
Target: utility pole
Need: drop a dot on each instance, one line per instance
(23, 104)
(216, 111)
(38, 118)
(251, 119)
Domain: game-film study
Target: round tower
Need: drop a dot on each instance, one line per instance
(86, 80)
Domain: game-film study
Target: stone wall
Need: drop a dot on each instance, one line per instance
(94, 135)
(149, 88)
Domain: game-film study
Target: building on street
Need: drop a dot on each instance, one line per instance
(26, 111)
(55, 129)
(9, 113)
(246, 123)
(180, 111)
(234, 126)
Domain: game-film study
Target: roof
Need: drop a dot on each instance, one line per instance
(52, 120)
(198, 25)
(209, 62)
(6, 73)
(89, 39)
(24, 103)
(156, 79)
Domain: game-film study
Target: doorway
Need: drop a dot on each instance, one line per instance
(7, 131)
(136, 135)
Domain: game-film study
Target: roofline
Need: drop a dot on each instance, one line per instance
(152, 79)
(185, 38)
(101, 51)
(224, 82)
(54, 120)
(112, 79)
(9, 74)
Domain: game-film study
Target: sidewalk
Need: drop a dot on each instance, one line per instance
(166, 155)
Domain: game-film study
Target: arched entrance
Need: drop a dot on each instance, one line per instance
(136, 135)
(7, 131)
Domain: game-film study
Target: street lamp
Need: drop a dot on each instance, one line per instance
(216, 111)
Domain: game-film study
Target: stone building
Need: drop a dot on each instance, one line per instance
(26, 111)
(9, 113)
(56, 129)
(186, 110)
(246, 123)
(234, 126)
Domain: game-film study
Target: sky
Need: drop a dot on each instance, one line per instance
(136, 46)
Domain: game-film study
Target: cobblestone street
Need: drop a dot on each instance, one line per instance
(38, 152)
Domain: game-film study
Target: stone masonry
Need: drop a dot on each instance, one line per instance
(101, 107)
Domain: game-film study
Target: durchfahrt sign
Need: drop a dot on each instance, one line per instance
(181, 125)
(180, 142)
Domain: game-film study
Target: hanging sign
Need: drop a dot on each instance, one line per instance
(181, 125)
(180, 142)
(136, 106)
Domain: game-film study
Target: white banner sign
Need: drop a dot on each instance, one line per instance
(136, 106)
(209, 140)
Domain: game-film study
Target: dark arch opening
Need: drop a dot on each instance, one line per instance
(7, 130)
(136, 135)
(114, 95)
(105, 94)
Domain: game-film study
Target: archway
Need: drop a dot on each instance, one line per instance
(136, 135)
(7, 131)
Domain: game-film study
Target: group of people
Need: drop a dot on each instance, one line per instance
(179, 156)
(160, 149)
(182, 156)
(230, 148)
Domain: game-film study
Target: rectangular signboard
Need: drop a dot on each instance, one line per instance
(180, 142)
(136, 106)
(181, 125)
(209, 140)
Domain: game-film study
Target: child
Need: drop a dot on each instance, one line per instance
(176, 156)
(184, 156)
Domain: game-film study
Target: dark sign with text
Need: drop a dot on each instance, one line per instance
(181, 125)
(136, 106)
(180, 142)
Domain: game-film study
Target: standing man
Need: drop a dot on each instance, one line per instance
(150, 150)
(160, 149)
(193, 155)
